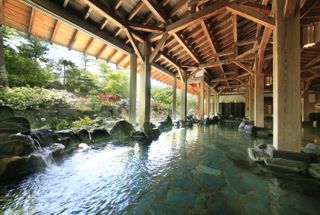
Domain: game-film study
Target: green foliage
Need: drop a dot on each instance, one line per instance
(33, 49)
(60, 124)
(162, 98)
(82, 122)
(30, 98)
(116, 82)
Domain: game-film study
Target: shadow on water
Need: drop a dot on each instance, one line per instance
(199, 170)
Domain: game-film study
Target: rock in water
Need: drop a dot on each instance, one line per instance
(6, 112)
(207, 170)
(45, 137)
(14, 125)
(99, 134)
(151, 131)
(15, 166)
(314, 170)
(17, 145)
(84, 136)
(287, 165)
(122, 129)
(56, 150)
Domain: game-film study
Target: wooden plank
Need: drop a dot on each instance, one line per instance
(89, 10)
(112, 55)
(252, 15)
(134, 44)
(117, 4)
(186, 47)
(104, 23)
(54, 32)
(290, 7)
(65, 3)
(53, 10)
(146, 28)
(177, 7)
(103, 48)
(155, 10)
(312, 62)
(158, 47)
(73, 40)
(243, 67)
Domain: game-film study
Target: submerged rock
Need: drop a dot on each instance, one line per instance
(15, 166)
(99, 134)
(314, 170)
(288, 165)
(201, 169)
(122, 129)
(151, 131)
(45, 137)
(14, 125)
(6, 112)
(166, 124)
(17, 145)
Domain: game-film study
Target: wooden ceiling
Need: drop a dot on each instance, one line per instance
(220, 37)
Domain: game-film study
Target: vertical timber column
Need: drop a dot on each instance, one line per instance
(145, 86)
(259, 95)
(202, 99)
(174, 98)
(208, 101)
(217, 103)
(286, 79)
(251, 99)
(246, 97)
(184, 92)
(133, 89)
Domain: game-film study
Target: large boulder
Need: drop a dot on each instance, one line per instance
(15, 166)
(246, 127)
(56, 150)
(69, 139)
(151, 131)
(166, 124)
(84, 136)
(99, 134)
(17, 145)
(14, 125)
(122, 129)
(45, 137)
(6, 112)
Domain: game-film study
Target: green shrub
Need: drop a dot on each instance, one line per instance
(82, 122)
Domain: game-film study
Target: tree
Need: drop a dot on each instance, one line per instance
(34, 49)
(66, 64)
(3, 72)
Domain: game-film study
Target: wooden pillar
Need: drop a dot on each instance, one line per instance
(174, 98)
(286, 79)
(202, 99)
(251, 99)
(217, 103)
(198, 96)
(184, 91)
(246, 96)
(3, 71)
(133, 89)
(145, 86)
(259, 95)
(208, 101)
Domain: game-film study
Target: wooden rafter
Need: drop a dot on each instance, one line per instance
(112, 55)
(31, 21)
(259, 18)
(123, 56)
(104, 23)
(312, 62)
(135, 10)
(89, 10)
(159, 47)
(177, 7)
(117, 4)
(146, 28)
(73, 39)
(54, 32)
(100, 52)
(65, 3)
(89, 44)
(155, 11)
(134, 45)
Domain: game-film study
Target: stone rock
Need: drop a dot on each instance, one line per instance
(166, 124)
(84, 136)
(151, 131)
(56, 150)
(246, 127)
(14, 125)
(45, 137)
(17, 145)
(6, 112)
(122, 129)
(201, 169)
(15, 166)
(179, 198)
(99, 134)
(314, 170)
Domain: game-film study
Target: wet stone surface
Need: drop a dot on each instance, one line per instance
(203, 170)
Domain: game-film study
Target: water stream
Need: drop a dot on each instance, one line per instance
(204, 170)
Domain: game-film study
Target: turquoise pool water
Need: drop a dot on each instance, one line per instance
(203, 170)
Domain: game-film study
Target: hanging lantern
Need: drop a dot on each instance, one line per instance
(311, 34)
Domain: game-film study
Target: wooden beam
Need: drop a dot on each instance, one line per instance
(290, 7)
(103, 48)
(186, 47)
(86, 16)
(117, 4)
(54, 32)
(33, 11)
(252, 15)
(243, 67)
(145, 28)
(134, 44)
(159, 47)
(65, 3)
(112, 55)
(121, 59)
(104, 23)
(135, 10)
(216, 8)
(177, 7)
(312, 62)
(57, 12)
(89, 44)
(73, 39)
(155, 10)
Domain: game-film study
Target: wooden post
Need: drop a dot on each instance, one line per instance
(202, 99)
(184, 91)
(217, 103)
(145, 86)
(208, 102)
(3, 72)
(286, 79)
(259, 95)
(133, 89)
(246, 97)
(174, 98)
(251, 99)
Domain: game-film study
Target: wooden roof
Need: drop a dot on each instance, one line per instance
(221, 37)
